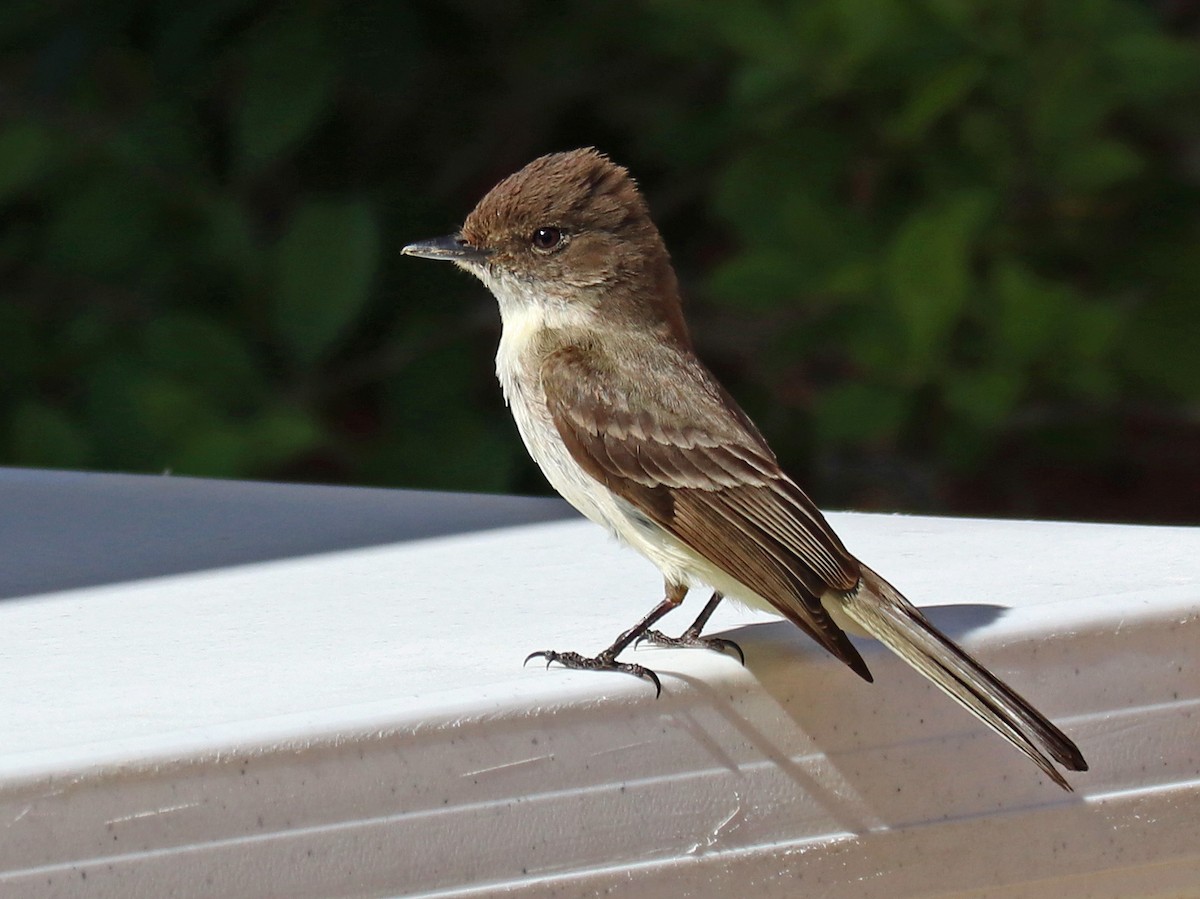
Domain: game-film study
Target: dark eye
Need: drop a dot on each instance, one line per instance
(547, 239)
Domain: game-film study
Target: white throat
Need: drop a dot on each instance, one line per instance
(526, 312)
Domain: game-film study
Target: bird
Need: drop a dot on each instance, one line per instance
(612, 402)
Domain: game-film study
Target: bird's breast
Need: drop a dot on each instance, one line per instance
(518, 369)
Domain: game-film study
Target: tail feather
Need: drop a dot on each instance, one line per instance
(885, 614)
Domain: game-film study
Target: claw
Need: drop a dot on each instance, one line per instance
(652, 677)
(602, 662)
(717, 644)
(722, 644)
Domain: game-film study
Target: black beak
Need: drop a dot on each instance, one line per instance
(451, 247)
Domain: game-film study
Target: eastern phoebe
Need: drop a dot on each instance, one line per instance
(630, 427)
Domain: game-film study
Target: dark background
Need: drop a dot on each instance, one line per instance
(946, 253)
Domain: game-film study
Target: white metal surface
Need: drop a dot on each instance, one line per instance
(312, 692)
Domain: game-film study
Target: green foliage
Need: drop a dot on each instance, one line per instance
(324, 264)
(929, 231)
(25, 152)
(927, 273)
(1005, 187)
(289, 83)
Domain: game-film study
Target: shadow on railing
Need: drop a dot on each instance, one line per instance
(66, 530)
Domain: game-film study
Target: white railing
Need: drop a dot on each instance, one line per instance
(234, 689)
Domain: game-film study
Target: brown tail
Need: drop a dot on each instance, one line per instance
(879, 608)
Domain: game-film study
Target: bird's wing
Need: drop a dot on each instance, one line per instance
(678, 449)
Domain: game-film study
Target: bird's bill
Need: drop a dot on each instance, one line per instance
(451, 247)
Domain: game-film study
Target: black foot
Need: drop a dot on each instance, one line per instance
(687, 638)
(602, 662)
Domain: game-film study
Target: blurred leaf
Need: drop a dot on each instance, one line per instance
(290, 82)
(174, 411)
(1069, 101)
(89, 333)
(873, 336)
(1095, 327)
(1076, 100)
(17, 243)
(185, 31)
(988, 137)
(986, 398)
(414, 399)
(163, 136)
(216, 452)
(756, 280)
(454, 452)
(1154, 66)
(281, 435)
(1029, 312)
(22, 19)
(927, 270)
(956, 13)
(753, 28)
(1151, 346)
(1076, 442)
(826, 242)
(1099, 164)
(937, 96)
(20, 348)
(43, 436)
(859, 413)
(201, 352)
(228, 237)
(325, 264)
(748, 194)
(26, 152)
(799, 236)
(237, 449)
(962, 447)
(866, 28)
(123, 438)
(107, 227)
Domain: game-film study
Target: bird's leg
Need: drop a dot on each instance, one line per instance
(607, 660)
(691, 637)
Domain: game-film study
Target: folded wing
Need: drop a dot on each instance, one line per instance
(691, 462)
